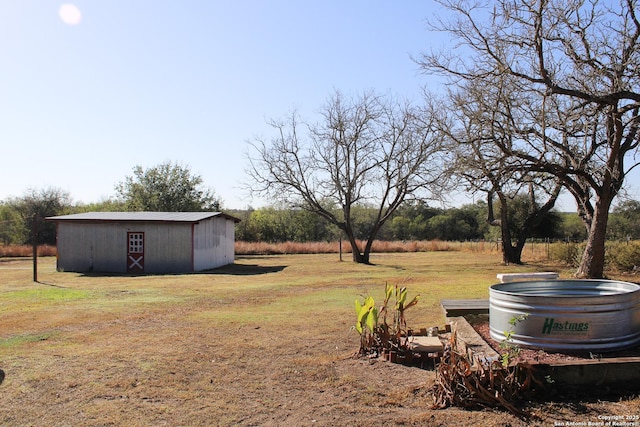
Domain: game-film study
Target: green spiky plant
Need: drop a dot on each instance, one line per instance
(375, 337)
(401, 306)
(366, 324)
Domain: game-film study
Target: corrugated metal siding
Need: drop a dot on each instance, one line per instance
(214, 241)
(103, 246)
(167, 247)
(100, 247)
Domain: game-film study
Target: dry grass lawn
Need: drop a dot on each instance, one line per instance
(266, 341)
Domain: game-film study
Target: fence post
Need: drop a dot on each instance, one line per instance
(34, 244)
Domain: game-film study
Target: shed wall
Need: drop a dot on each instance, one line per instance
(91, 247)
(102, 246)
(214, 243)
(167, 248)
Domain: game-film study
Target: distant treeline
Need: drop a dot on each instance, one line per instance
(412, 222)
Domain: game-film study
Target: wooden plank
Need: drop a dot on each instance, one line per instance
(462, 307)
(469, 341)
(422, 344)
(515, 277)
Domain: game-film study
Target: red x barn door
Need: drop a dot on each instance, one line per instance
(135, 252)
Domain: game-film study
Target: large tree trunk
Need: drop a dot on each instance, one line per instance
(510, 254)
(367, 251)
(358, 256)
(593, 257)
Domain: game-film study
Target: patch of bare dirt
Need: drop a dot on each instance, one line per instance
(158, 368)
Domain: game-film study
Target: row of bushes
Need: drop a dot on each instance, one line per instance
(619, 256)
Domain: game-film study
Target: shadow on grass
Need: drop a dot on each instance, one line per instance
(231, 269)
(40, 282)
(245, 269)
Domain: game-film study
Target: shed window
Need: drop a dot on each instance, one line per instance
(136, 243)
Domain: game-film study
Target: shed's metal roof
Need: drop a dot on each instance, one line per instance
(141, 216)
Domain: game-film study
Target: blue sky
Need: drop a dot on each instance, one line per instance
(147, 81)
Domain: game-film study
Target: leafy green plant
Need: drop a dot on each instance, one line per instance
(401, 306)
(376, 335)
(366, 323)
(511, 350)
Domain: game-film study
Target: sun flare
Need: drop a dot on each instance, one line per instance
(70, 14)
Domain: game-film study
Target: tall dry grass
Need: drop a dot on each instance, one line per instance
(16, 251)
(284, 248)
(532, 250)
(263, 248)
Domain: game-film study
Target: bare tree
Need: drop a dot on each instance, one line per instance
(474, 122)
(365, 151)
(581, 59)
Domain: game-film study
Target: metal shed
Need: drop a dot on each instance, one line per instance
(144, 242)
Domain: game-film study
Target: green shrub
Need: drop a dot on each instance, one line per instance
(623, 256)
(568, 253)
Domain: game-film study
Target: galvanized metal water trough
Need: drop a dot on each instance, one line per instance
(566, 315)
